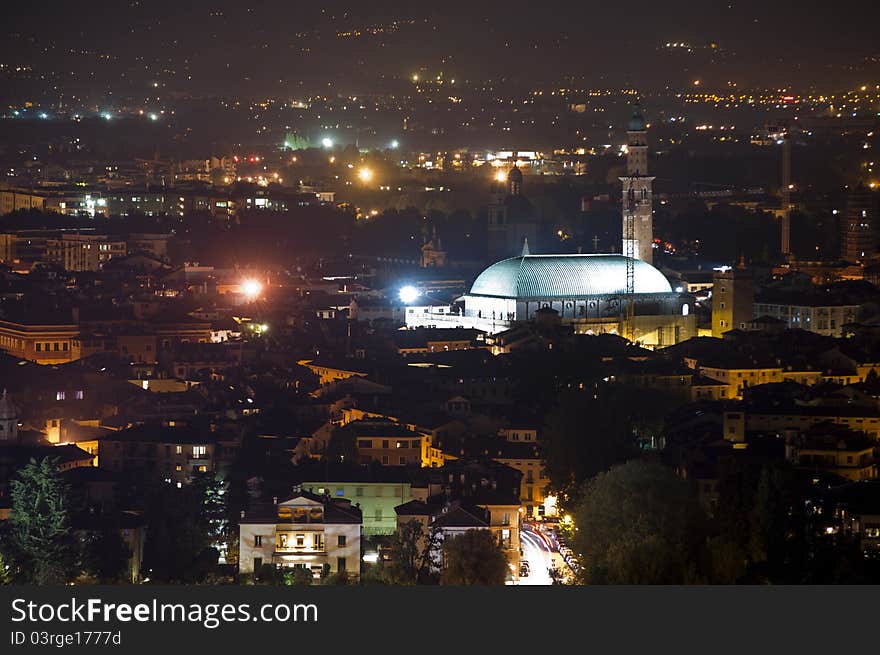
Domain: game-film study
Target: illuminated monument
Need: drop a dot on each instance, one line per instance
(587, 291)
(638, 194)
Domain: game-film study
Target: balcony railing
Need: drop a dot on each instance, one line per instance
(292, 549)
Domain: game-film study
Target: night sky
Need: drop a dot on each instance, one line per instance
(274, 45)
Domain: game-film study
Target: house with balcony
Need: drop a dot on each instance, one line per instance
(305, 531)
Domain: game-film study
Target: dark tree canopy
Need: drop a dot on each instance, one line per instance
(639, 524)
(589, 431)
(412, 554)
(40, 533)
(178, 534)
(474, 557)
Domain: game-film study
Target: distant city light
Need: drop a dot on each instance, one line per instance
(154, 117)
(408, 294)
(365, 174)
(252, 288)
(44, 115)
(106, 115)
(500, 176)
(327, 142)
(395, 144)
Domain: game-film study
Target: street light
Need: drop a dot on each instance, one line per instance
(408, 294)
(365, 174)
(252, 288)
(327, 142)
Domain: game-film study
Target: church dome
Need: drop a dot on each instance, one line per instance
(535, 277)
(636, 122)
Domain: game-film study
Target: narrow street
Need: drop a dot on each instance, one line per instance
(539, 557)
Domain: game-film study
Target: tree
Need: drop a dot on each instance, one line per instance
(177, 534)
(221, 535)
(105, 555)
(338, 578)
(474, 557)
(40, 524)
(639, 524)
(298, 577)
(6, 571)
(761, 511)
(413, 554)
(589, 431)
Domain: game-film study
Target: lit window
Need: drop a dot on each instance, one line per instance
(59, 395)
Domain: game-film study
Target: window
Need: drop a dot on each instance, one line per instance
(340, 493)
(200, 451)
(505, 519)
(340, 540)
(385, 459)
(39, 347)
(365, 443)
(378, 513)
(385, 443)
(258, 540)
(59, 395)
(359, 491)
(78, 395)
(340, 563)
(178, 468)
(203, 469)
(402, 461)
(300, 540)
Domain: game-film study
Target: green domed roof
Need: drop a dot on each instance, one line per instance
(566, 276)
(636, 122)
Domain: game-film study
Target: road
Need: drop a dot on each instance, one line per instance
(539, 556)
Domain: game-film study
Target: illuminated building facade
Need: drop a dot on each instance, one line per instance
(638, 195)
(586, 291)
(306, 531)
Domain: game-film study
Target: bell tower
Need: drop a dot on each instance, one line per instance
(638, 195)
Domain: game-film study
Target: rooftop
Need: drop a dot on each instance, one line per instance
(566, 276)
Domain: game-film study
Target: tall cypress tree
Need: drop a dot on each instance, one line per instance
(39, 523)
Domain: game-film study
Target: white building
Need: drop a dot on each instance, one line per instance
(822, 319)
(587, 291)
(305, 531)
